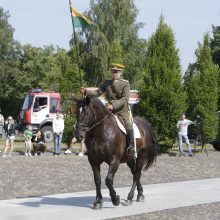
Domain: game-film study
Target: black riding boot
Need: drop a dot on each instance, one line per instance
(130, 138)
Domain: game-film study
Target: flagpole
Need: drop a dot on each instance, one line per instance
(75, 42)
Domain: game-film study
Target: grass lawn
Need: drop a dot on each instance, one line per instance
(19, 145)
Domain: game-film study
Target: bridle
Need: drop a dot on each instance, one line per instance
(86, 128)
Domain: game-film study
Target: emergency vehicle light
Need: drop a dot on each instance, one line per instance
(37, 91)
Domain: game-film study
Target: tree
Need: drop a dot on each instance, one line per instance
(215, 50)
(162, 96)
(6, 35)
(115, 38)
(215, 44)
(10, 51)
(201, 82)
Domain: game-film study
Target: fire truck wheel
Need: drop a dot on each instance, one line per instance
(48, 133)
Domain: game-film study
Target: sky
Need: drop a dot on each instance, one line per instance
(46, 22)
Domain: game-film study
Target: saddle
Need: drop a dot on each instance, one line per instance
(122, 127)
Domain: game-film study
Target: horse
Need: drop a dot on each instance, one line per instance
(105, 142)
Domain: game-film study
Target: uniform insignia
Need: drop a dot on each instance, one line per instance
(124, 80)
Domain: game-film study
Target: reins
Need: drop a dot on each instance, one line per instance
(98, 123)
(93, 126)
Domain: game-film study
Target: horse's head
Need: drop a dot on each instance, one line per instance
(89, 112)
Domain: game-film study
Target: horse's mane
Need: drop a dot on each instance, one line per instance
(98, 104)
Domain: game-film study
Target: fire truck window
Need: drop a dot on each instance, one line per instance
(27, 102)
(40, 103)
(54, 102)
(36, 105)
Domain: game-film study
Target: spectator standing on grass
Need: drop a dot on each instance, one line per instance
(182, 126)
(10, 135)
(27, 140)
(58, 128)
(39, 143)
(1, 123)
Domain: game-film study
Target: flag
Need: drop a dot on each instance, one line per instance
(79, 20)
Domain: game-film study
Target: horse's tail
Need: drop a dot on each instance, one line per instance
(151, 153)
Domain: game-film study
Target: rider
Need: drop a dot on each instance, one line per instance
(117, 94)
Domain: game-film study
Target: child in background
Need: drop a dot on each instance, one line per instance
(10, 136)
(28, 136)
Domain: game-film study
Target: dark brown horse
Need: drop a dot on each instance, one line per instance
(105, 142)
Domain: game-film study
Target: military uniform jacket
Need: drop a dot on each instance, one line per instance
(117, 93)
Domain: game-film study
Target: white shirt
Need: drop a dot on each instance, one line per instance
(1, 119)
(58, 125)
(183, 126)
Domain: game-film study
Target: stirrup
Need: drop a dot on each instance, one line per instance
(131, 151)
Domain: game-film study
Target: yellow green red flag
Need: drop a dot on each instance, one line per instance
(79, 20)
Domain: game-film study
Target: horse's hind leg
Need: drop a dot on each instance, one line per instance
(136, 172)
(113, 167)
(130, 196)
(140, 196)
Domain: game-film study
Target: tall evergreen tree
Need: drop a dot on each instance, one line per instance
(162, 96)
(201, 81)
(215, 48)
(215, 44)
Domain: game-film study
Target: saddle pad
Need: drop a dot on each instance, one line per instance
(122, 128)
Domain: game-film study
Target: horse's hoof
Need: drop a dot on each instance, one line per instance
(116, 201)
(140, 198)
(127, 203)
(97, 205)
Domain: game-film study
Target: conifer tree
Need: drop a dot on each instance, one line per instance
(162, 96)
(201, 82)
(215, 44)
(215, 49)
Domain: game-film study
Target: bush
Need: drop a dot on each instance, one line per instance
(69, 121)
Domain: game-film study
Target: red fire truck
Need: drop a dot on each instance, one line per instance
(39, 109)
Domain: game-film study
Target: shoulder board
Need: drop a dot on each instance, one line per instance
(124, 80)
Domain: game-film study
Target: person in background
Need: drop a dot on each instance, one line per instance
(27, 140)
(73, 141)
(82, 149)
(182, 127)
(39, 144)
(10, 135)
(1, 123)
(43, 104)
(58, 128)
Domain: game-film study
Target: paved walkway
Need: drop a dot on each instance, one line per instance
(78, 205)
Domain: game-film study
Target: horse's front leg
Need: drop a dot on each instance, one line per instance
(97, 178)
(113, 167)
